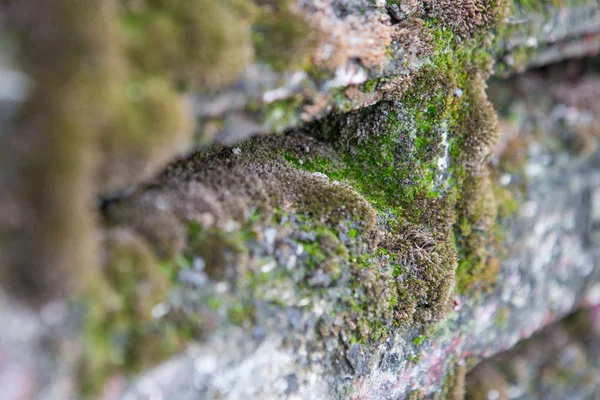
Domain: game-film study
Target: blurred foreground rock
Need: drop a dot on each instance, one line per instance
(560, 362)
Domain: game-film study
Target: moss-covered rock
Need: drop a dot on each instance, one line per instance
(202, 43)
(376, 216)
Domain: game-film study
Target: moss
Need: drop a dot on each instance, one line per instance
(467, 18)
(281, 114)
(389, 155)
(219, 250)
(476, 206)
(418, 340)
(239, 313)
(199, 42)
(397, 179)
(369, 86)
(52, 150)
(163, 231)
(104, 113)
(156, 121)
(124, 329)
(454, 384)
(119, 332)
(282, 38)
(506, 201)
(365, 193)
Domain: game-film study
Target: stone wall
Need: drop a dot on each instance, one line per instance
(280, 199)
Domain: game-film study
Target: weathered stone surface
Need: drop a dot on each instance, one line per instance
(537, 34)
(547, 270)
(153, 70)
(386, 242)
(560, 362)
(382, 46)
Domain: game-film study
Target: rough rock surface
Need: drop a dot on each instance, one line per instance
(547, 270)
(560, 362)
(368, 226)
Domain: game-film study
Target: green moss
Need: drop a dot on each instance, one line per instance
(282, 38)
(119, 331)
(506, 201)
(394, 169)
(472, 19)
(326, 254)
(363, 193)
(219, 250)
(394, 166)
(282, 114)
(418, 340)
(384, 160)
(191, 42)
(155, 118)
(239, 313)
(48, 159)
(454, 383)
(369, 86)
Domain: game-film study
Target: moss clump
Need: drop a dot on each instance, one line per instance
(119, 333)
(467, 18)
(93, 123)
(390, 159)
(473, 120)
(281, 38)
(390, 154)
(198, 42)
(156, 121)
(393, 193)
(325, 255)
(219, 250)
(48, 161)
(162, 231)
